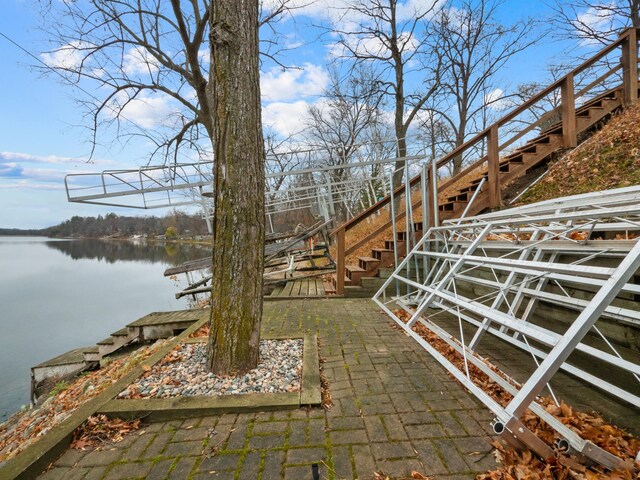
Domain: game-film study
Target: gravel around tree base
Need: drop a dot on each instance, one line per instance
(183, 372)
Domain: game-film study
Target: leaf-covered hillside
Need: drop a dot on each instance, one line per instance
(609, 159)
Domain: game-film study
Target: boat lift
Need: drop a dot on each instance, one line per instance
(486, 276)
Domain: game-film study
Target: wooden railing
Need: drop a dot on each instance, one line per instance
(489, 138)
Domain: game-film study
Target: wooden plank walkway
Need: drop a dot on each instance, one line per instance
(306, 287)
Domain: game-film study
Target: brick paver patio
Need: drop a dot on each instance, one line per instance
(395, 411)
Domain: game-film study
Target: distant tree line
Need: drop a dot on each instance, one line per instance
(112, 252)
(176, 223)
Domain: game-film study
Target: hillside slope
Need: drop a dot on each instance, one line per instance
(608, 159)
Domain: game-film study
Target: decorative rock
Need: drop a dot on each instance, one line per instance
(184, 373)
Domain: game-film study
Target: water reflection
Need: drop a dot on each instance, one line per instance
(58, 295)
(112, 251)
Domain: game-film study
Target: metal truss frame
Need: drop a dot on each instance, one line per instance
(552, 252)
(313, 185)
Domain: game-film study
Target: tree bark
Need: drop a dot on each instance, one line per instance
(239, 186)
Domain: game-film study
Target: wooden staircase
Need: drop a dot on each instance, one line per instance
(535, 152)
(500, 167)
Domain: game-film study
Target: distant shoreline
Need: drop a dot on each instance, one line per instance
(194, 240)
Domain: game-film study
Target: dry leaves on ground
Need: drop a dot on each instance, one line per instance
(100, 429)
(24, 428)
(325, 392)
(524, 466)
(608, 159)
(202, 332)
(413, 476)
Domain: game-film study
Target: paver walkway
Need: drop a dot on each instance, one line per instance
(395, 411)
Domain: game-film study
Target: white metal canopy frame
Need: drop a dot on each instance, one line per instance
(490, 275)
(319, 179)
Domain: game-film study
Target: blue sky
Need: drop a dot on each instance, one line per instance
(43, 134)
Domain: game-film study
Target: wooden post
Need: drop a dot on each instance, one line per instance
(430, 202)
(340, 270)
(493, 155)
(630, 66)
(569, 135)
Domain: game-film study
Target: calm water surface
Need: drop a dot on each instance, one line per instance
(56, 295)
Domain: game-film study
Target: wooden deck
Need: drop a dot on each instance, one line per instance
(307, 287)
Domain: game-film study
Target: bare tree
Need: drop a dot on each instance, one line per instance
(281, 157)
(475, 47)
(350, 115)
(546, 111)
(594, 21)
(161, 51)
(436, 134)
(392, 37)
(143, 54)
(239, 185)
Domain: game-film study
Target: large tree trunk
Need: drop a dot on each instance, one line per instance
(238, 236)
(458, 159)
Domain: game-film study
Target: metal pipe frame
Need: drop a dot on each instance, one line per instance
(517, 276)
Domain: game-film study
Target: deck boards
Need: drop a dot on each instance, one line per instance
(161, 318)
(306, 287)
(71, 357)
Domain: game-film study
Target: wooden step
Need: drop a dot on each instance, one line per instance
(452, 206)
(368, 263)
(555, 130)
(123, 332)
(391, 245)
(529, 148)
(354, 273)
(476, 181)
(460, 197)
(277, 290)
(384, 255)
(588, 112)
(91, 354)
(469, 188)
(515, 158)
(329, 287)
(402, 236)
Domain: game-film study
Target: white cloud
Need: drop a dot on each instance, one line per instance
(278, 85)
(414, 8)
(68, 57)
(495, 100)
(28, 158)
(204, 55)
(138, 61)
(46, 175)
(17, 174)
(338, 11)
(371, 46)
(286, 119)
(597, 18)
(291, 41)
(147, 110)
(26, 184)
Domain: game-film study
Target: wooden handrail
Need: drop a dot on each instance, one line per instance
(376, 206)
(534, 99)
(380, 229)
(629, 63)
(500, 122)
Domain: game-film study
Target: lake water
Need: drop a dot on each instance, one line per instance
(56, 295)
